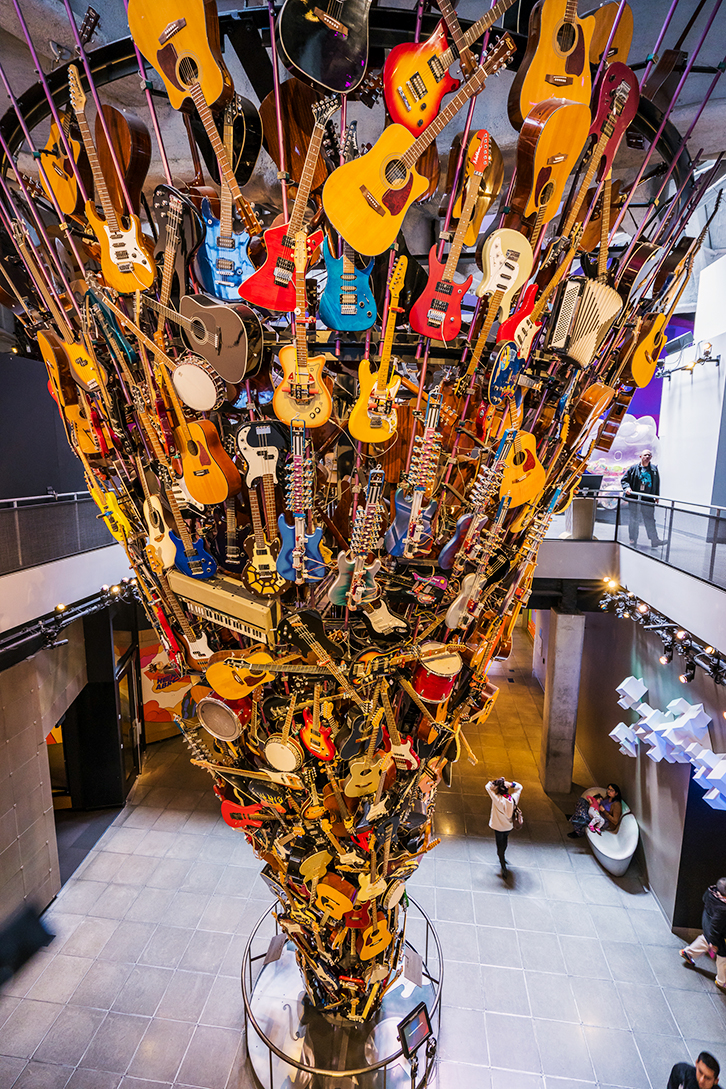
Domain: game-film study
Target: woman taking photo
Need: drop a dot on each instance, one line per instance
(504, 796)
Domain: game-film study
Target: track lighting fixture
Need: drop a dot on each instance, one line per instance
(689, 672)
(667, 655)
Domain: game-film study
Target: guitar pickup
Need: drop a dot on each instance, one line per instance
(404, 99)
(559, 81)
(416, 86)
(331, 23)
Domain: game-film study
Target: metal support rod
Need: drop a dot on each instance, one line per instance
(666, 115)
(51, 103)
(652, 57)
(672, 201)
(616, 23)
(419, 398)
(278, 109)
(101, 116)
(152, 109)
(7, 222)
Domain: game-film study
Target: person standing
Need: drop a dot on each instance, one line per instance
(704, 1075)
(504, 796)
(713, 938)
(642, 479)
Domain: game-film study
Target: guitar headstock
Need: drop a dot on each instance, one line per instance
(482, 157)
(324, 110)
(398, 277)
(90, 21)
(369, 90)
(301, 252)
(499, 55)
(75, 90)
(350, 142)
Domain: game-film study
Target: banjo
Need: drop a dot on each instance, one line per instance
(281, 751)
(198, 384)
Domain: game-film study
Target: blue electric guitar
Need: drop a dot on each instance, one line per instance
(192, 557)
(222, 262)
(300, 559)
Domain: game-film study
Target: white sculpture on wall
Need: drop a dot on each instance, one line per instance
(678, 735)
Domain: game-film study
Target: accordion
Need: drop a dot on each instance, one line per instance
(582, 315)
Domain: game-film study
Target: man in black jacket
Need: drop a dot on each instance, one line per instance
(704, 1075)
(642, 479)
(713, 938)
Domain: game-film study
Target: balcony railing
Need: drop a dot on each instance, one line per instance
(693, 536)
(38, 529)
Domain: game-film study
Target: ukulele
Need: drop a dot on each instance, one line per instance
(127, 261)
(416, 75)
(316, 738)
(366, 200)
(302, 393)
(437, 313)
(556, 61)
(373, 417)
(301, 559)
(281, 751)
(274, 285)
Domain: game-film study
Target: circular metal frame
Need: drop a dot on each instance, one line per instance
(248, 960)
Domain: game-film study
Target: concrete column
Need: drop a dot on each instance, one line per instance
(562, 686)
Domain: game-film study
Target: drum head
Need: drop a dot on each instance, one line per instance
(218, 720)
(198, 386)
(448, 664)
(282, 757)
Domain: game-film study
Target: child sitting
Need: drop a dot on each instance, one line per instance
(596, 819)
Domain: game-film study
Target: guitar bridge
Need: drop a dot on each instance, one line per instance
(404, 99)
(372, 200)
(559, 81)
(330, 22)
(171, 29)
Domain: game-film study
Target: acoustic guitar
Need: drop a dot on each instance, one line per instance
(325, 42)
(604, 17)
(556, 61)
(58, 171)
(131, 141)
(366, 200)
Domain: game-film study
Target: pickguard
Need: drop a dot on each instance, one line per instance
(575, 63)
(395, 199)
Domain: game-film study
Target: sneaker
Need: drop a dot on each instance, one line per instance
(657, 543)
(721, 986)
(687, 956)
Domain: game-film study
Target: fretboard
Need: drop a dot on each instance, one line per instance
(589, 174)
(474, 85)
(257, 527)
(472, 193)
(494, 304)
(225, 193)
(306, 181)
(268, 495)
(384, 368)
(173, 218)
(176, 608)
(100, 182)
(476, 31)
(452, 25)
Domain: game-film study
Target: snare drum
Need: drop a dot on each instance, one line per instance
(223, 719)
(198, 384)
(434, 678)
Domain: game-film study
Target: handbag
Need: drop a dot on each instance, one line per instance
(517, 818)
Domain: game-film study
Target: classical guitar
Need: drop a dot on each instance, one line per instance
(416, 76)
(557, 59)
(325, 42)
(366, 200)
(273, 285)
(302, 393)
(437, 313)
(300, 559)
(223, 262)
(127, 261)
(356, 579)
(373, 417)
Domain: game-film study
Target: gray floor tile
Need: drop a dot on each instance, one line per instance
(89, 937)
(512, 1043)
(464, 1037)
(26, 1027)
(162, 1050)
(168, 873)
(531, 914)
(573, 919)
(60, 978)
(29, 974)
(166, 945)
(205, 951)
(491, 909)
(452, 1075)
(10, 1070)
(37, 1075)
(613, 924)
(599, 889)
(504, 990)
(143, 990)
(224, 1007)
(671, 971)
(628, 963)
(550, 997)
(458, 940)
(150, 905)
(451, 874)
(599, 1003)
(584, 957)
(516, 1079)
(70, 1035)
(101, 984)
(696, 1015)
(498, 947)
(566, 1083)
(647, 1010)
(93, 1079)
(127, 942)
(652, 929)
(186, 995)
(454, 905)
(463, 985)
(562, 886)
(542, 952)
(187, 907)
(563, 1047)
(115, 1042)
(659, 1054)
(615, 1058)
(209, 1058)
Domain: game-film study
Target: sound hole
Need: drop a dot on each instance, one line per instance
(566, 36)
(188, 71)
(546, 195)
(395, 172)
(519, 458)
(198, 329)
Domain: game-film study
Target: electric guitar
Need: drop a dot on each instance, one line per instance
(301, 394)
(273, 286)
(373, 417)
(410, 531)
(191, 556)
(127, 261)
(175, 211)
(437, 313)
(300, 559)
(556, 62)
(157, 523)
(317, 738)
(465, 544)
(366, 200)
(466, 606)
(356, 580)
(416, 76)
(260, 575)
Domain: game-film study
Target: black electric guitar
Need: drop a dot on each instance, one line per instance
(189, 232)
(325, 41)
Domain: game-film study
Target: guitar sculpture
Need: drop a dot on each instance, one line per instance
(300, 559)
(373, 417)
(327, 44)
(410, 531)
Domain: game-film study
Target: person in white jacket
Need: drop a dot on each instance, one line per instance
(504, 797)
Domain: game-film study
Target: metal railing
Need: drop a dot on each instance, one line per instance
(691, 536)
(39, 529)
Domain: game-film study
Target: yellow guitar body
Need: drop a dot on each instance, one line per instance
(61, 182)
(115, 519)
(646, 355)
(130, 242)
(524, 475)
(557, 60)
(364, 424)
(362, 204)
(559, 143)
(180, 39)
(236, 682)
(313, 410)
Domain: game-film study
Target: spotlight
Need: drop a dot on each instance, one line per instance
(60, 608)
(681, 634)
(689, 672)
(612, 584)
(115, 589)
(667, 655)
(104, 588)
(626, 615)
(15, 350)
(642, 608)
(706, 348)
(709, 650)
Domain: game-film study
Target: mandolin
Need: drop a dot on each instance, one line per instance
(302, 393)
(373, 417)
(366, 200)
(325, 42)
(556, 61)
(127, 261)
(437, 313)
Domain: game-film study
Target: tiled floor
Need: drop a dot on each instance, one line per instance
(560, 979)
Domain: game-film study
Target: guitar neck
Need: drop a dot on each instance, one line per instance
(478, 29)
(592, 167)
(427, 137)
(181, 526)
(384, 369)
(602, 257)
(305, 184)
(225, 193)
(492, 311)
(231, 519)
(457, 35)
(99, 180)
(172, 242)
(171, 598)
(257, 527)
(244, 208)
(268, 495)
(39, 276)
(463, 225)
(301, 329)
(288, 719)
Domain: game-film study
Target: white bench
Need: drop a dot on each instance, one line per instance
(614, 850)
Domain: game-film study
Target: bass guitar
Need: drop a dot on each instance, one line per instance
(300, 559)
(301, 394)
(192, 558)
(366, 200)
(273, 286)
(557, 59)
(327, 44)
(127, 261)
(356, 579)
(416, 76)
(373, 417)
(437, 313)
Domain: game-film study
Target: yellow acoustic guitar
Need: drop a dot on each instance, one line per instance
(524, 475)
(107, 502)
(645, 358)
(127, 261)
(366, 200)
(302, 394)
(373, 417)
(557, 60)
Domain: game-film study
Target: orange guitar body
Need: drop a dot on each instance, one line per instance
(524, 475)
(210, 474)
